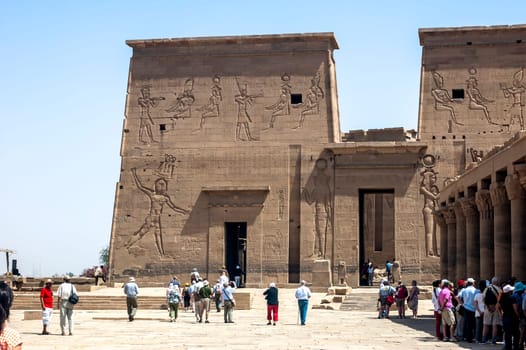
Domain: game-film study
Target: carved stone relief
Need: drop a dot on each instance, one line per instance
(281, 204)
(515, 111)
(443, 100)
(476, 100)
(429, 189)
(167, 167)
(146, 102)
(244, 100)
(476, 156)
(212, 110)
(319, 196)
(183, 104)
(282, 105)
(312, 104)
(158, 197)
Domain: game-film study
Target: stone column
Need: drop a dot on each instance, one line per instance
(451, 222)
(487, 259)
(461, 240)
(502, 230)
(442, 252)
(469, 208)
(517, 197)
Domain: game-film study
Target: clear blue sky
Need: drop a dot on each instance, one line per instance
(64, 70)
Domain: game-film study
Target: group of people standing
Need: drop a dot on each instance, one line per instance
(388, 295)
(64, 291)
(470, 311)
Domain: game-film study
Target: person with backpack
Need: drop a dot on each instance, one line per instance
(491, 315)
(65, 290)
(385, 296)
(174, 298)
(217, 295)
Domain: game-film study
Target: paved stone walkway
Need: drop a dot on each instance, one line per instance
(325, 329)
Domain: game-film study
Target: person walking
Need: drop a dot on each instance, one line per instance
(98, 274)
(303, 295)
(174, 298)
(186, 296)
(271, 295)
(46, 304)
(228, 301)
(131, 289)
(65, 290)
(205, 292)
(412, 300)
(385, 296)
(217, 295)
(370, 274)
(492, 318)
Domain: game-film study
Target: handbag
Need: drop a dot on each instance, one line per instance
(73, 298)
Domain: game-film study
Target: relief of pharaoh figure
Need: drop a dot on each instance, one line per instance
(516, 92)
(146, 102)
(319, 195)
(430, 191)
(158, 197)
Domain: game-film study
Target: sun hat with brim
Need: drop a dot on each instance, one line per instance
(131, 279)
(519, 287)
(49, 281)
(507, 288)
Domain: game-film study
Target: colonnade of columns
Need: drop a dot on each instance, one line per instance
(484, 234)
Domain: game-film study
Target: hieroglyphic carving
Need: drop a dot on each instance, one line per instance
(319, 195)
(442, 99)
(211, 110)
(183, 104)
(312, 105)
(476, 156)
(429, 189)
(167, 167)
(484, 205)
(243, 100)
(146, 101)
(516, 92)
(282, 106)
(152, 222)
(476, 100)
(273, 244)
(281, 204)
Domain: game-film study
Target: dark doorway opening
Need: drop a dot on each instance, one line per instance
(376, 229)
(235, 250)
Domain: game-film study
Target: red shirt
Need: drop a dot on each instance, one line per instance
(46, 294)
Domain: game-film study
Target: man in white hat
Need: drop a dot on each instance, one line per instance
(65, 290)
(205, 292)
(303, 295)
(466, 297)
(131, 290)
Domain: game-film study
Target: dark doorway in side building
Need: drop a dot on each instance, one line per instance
(377, 219)
(236, 249)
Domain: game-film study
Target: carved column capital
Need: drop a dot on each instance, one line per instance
(521, 171)
(513, 187)
(469, 207)
(449, 215)
(484, 205)
(498, 194)
(439, 217)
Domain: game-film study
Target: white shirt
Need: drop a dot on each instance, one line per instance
(434, 298)
(303, 293)
(65, 289)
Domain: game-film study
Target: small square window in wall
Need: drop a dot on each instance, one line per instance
(457, 94)
(296, 99)
(162, 127)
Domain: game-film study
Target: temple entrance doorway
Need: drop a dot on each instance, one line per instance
(236, 248)
(376, 229)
